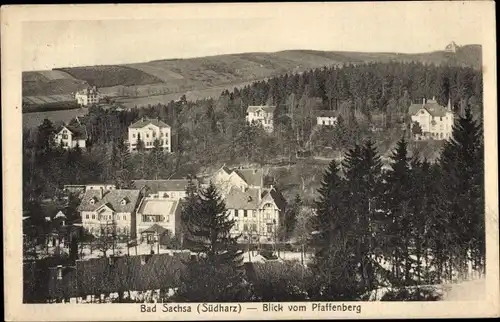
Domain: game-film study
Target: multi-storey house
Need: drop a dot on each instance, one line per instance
(257, 210)
(148, 131)
(435, 121)
(102, 209)
(263, 115)
(88, 96)
(157, 216)
(70, 136)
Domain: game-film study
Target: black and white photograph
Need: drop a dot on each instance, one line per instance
(296, 158)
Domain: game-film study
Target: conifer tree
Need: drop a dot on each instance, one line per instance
(397, 199)
(335, 263)
(216, 275)
(462, 164)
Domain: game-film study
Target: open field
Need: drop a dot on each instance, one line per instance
(163, 77)
(31, 120)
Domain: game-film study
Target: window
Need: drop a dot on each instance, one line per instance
(154, 134)
(65, 136)
(254, 212)
(162, 134)
(254, 227)
(422, 112)
(441, 118)
(147, 135)
(245, 227)
(244, 213)
(87, 216)
(269, 228)
(93, 216)
(133, 135)
(124, 217)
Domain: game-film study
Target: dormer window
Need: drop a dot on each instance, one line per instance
(92, 201)
(124, 201)
(249, 199)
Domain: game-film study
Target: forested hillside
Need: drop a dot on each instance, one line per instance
(177, 75)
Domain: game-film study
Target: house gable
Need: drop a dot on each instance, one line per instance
(104, 208)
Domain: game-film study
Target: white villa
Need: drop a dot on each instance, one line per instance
(149, 130)
(88, 96)
(258, 211)
(101, 208)
(435, 120)
(70, 136)
(156, 216)
(263, 115)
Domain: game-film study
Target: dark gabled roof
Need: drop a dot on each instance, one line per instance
(79, 131)
(253, 177)
(145, 122)
(153, 186)
(110, 198)
(239, 199)
(327, 113)
(430, 106)
(265, 108)
(276, 196)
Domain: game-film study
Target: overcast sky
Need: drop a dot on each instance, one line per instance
(251, 28)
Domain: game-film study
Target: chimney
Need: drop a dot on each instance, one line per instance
(101, 193)
(449, 104)
(142, 118)
(423, 101)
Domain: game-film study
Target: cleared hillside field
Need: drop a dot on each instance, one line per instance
(31, 120)
(112, 75)
(47, 83)
(165, 77)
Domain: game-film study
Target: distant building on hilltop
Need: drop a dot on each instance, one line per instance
(451, 47)
(263, 115)
(326, 117)
(149, 130)
(88, 96)
(71, 135)
(435, 121)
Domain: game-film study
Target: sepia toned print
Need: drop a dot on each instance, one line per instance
(195, 167)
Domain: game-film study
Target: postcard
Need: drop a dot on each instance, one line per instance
(250, 161)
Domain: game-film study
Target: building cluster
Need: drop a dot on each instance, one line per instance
(153, 208)
(435, 121)
(146, 212)
(88, 96)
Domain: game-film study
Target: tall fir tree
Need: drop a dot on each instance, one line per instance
(335, 262)
(462, 164)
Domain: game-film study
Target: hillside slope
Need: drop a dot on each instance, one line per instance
(177, 75)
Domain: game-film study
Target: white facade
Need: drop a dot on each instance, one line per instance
(326, 120)
(436, 125)
(87, 96)
(164, 212)
(148, 132)
(68, 139)
(263, 115)
(104, 216)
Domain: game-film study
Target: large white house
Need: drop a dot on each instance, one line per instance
(157, 216)
(88, 96)
(436, 121)
(70, 136)
(149, 130)
(258, 211)
(101, 209)
(263, 115)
